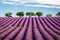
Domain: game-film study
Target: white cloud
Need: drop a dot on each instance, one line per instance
(46, 6)
(8, 2)
(34, 3)
(54, 2)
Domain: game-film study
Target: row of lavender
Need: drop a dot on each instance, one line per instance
(30, 28)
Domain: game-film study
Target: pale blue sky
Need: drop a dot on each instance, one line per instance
(27, 6)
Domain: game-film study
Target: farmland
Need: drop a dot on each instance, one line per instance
(29, 28)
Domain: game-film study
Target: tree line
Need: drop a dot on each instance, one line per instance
(8, 14)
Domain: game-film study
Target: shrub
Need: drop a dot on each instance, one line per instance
(48, 15)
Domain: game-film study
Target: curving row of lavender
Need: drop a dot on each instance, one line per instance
(30, 28)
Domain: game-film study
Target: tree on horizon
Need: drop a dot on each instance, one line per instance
(58, 14)
(8, 14)
(20, 14)
(39, 13)
(30, 14)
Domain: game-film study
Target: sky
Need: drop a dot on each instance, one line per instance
(14, 6)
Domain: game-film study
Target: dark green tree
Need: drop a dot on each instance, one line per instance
(39, 13)
(58, 14)
(48, 15)
(30, 14)
(20, 14)
(8, 14)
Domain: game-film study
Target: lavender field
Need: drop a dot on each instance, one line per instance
(29, 28)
